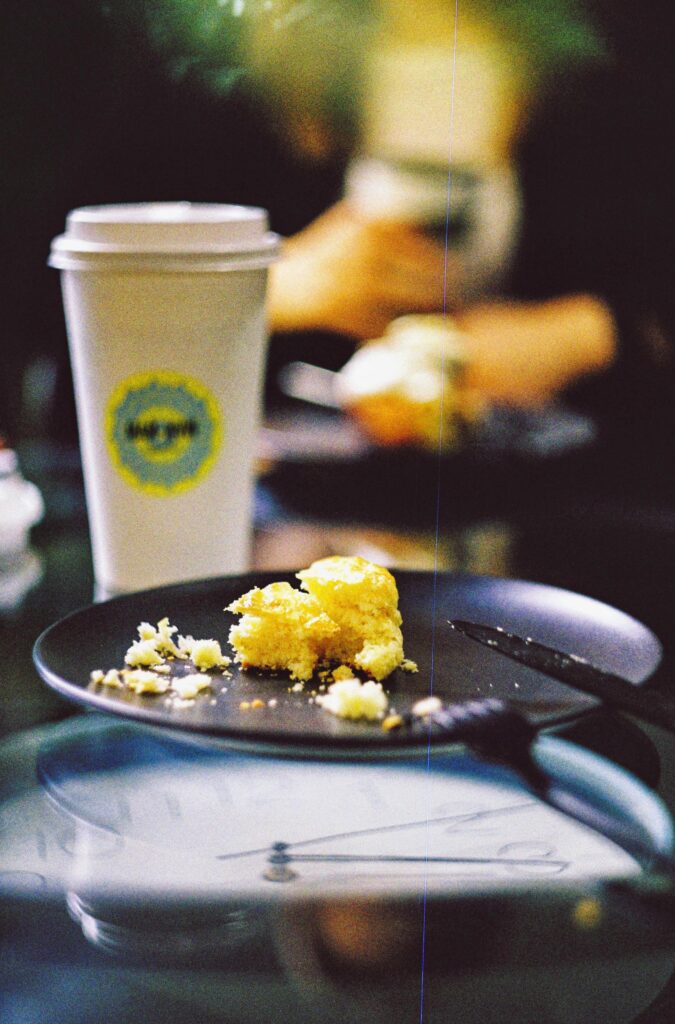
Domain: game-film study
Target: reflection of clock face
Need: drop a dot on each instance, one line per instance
(120, 811)
(167, 858)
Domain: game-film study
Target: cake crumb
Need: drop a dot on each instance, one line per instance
(207, 654)
(142, 681)
(112, 679)
(189, 686)
(185, 646)
(342, 672)
(426, 706)
(350, 698)
(143, 654)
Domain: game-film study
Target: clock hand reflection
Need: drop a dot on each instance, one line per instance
(389, 858)
(279, 861)
(453, 819)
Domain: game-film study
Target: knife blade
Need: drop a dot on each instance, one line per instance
(615, 691)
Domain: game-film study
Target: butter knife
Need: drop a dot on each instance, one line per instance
(615, 691)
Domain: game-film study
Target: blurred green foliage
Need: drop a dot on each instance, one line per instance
(214, 39)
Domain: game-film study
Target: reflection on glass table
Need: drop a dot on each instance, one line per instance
(144, 855)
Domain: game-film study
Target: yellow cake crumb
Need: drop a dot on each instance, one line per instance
(427, 706)
(142, 681)
(143, 653)
(207, 654)
(164, 642)
(112, 679)
(189, 686)
(159, 637)
(347, 612)
(350, 698)
(184, 646)
(342, 672)
(146, 631)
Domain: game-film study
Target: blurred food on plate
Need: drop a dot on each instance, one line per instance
(408, 386)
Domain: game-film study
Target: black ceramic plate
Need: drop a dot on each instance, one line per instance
(452, 666)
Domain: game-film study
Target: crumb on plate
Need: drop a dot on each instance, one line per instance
(350, 698)
(427, 706)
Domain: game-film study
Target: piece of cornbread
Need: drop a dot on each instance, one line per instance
(362, 598)
(348, 616)
(280, 629)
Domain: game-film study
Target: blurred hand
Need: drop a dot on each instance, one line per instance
(351, 275)
(525, 353)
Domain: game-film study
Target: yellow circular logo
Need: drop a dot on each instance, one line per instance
(163, 431)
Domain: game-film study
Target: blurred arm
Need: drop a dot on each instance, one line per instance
(348, 274)
(524, 353)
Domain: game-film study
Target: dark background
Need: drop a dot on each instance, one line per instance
(93, 112)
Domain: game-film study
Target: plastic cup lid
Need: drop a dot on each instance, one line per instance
(166, 229)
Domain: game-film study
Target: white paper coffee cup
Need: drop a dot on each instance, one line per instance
(165, 311)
